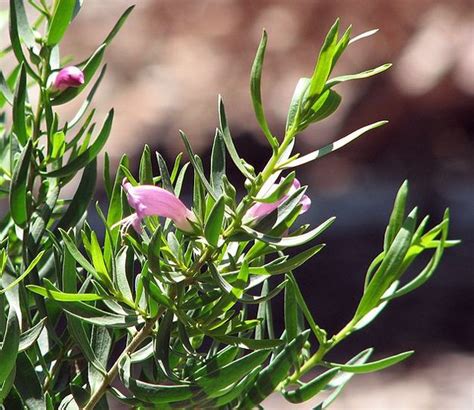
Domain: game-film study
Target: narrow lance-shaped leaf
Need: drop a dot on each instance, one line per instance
(24, 28)
(16, 40)
(27, 383)
(81, 200)
(197, 167)
(165, 175)
(310, 389)
(20, 127)
(290, 241)
(291, 312)
(390, 269)
(89, 154)
(226, 136)
(330, 147)
(214, 222)
(324, 64)
(271, 376)
(397, 216)
(364, 74)
(27, 271)
(218, 164)
(255, 90)
(60, 21)
(280, 190)
(118, 25)
(373, 366)
(18, 187)
(10, 345)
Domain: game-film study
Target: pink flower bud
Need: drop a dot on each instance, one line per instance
(68, 77)
(150, 200)
(260, 209)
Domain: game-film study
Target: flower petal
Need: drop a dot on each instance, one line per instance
(150, 200)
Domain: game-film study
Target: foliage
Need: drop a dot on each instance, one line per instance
(183, 318)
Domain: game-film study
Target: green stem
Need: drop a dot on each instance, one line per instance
(141, 335)
(316, 358)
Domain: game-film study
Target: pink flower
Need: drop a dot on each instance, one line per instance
(68, 77)
(260, 209)
(150, 200)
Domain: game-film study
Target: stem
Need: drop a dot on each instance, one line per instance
(315, 359)
(142, 334)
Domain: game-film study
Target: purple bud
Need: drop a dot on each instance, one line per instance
(260, 209)
(150, 200)
(68, 77)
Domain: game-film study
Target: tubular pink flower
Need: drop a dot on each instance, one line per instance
(260, 209)
(68, 77)
(150, 200)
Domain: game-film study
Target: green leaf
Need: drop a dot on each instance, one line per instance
(5, 93)
(429, 269)
(115, 211)
(291, 312)
(120, 276)
(318, 332)
(340, 381)
(331, 147)
(287, 265)
(250, 344)
(165, 175)
(18, 186)
(31, 266)
(82, 197)
(89, 69)
(214, 222)
(118, 25)
(162, 344)
(197, 167)
(237, 390)
(397, 217)
(154, 252)
(231, 373)
(279, 190)
(390, 269)
(24, 28)
(62, 296)
(31, 335)
(227, 138)
(27, 383)
(255, 90)
(89, 154)
(373, 366)
(310, 389)
(60, 21)
(100, 317)
(364, 74)
(20, 127)
(324, 64)
(218, 164)
(98, 261)
(14, 27)
(154, 393)
(294, 111)
(271, 376)
(290, 241)
(325, 105)
(101, 342)
(10, 345)
(85, 105)
(59, 145)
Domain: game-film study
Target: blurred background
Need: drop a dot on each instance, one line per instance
(172, 59)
